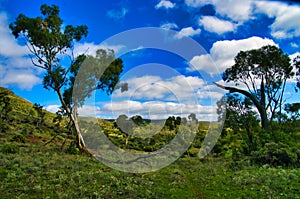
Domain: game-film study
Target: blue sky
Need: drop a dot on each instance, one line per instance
(161, 82)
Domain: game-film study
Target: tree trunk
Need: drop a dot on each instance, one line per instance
(263, 111)
(259, 106)
(79, 141)
(264, 120)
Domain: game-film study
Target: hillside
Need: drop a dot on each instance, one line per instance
(25, 124)
(32, 168)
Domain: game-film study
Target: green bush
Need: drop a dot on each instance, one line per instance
(19, 138)
(9, 148)
(277, 154)
(72, 149)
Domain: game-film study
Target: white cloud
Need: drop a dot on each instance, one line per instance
(157, 97)
(222, 54)
(197, 3)
(294, 55)
(165, 4)
(52, 108)
(159, 109)
(187, 32)
(287, 23)
(16, 68)
(236, 10)
(294, 45)
(24, 79)
(177, 88)
(8, 44)
(87, 110)
(169, 26)
(117, 14)
(286, 17)
(91, 48)
(213, 24)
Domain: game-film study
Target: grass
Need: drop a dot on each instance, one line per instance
(46, 173)
(28, 169)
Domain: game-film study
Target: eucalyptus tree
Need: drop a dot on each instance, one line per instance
(297, 68)
(50, 43)
(239, 115)
(261, 75)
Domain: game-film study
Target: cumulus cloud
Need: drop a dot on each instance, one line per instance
(197, 3)
(213, 24)
(236, 10)
(85, 110)
(187, 32)
(16, 68)
(177, 88)
(24, 79)
(156, 97)
(169, 26)
(159, 109)
(52, 108)
(222, 54)
(8, 44)
(117, 14)
(165, 4)
(286, 23)
(91, 48)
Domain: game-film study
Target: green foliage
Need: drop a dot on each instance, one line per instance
(52, 174)
(293, 110)
(264, 72)
(193, 117)
(96, 73)
(19, 138)
(72, 149)
(22, 129)
(277, 154)
(297, 66)
(9, 147)
(240, 126)
(48, 40)
(5, 105)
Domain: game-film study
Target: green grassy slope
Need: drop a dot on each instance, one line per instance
(28, 169)
(22, 125)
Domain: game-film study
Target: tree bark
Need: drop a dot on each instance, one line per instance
(79, 141)
(258, 104)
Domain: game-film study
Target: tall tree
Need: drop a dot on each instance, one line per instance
(263, 72)
(193, 117)
(239, 114)
(293, 110)
(49, 42)
(40, 114)
(297, 67)
(5, 105)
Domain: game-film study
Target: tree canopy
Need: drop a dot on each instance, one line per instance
(49, 42)
(261, 75)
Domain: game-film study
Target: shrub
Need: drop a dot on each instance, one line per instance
(19, 138)
(277, 154)
(72, 149)
(9, 148)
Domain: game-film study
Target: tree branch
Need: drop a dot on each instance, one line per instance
(258, 105)
(237, 90)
